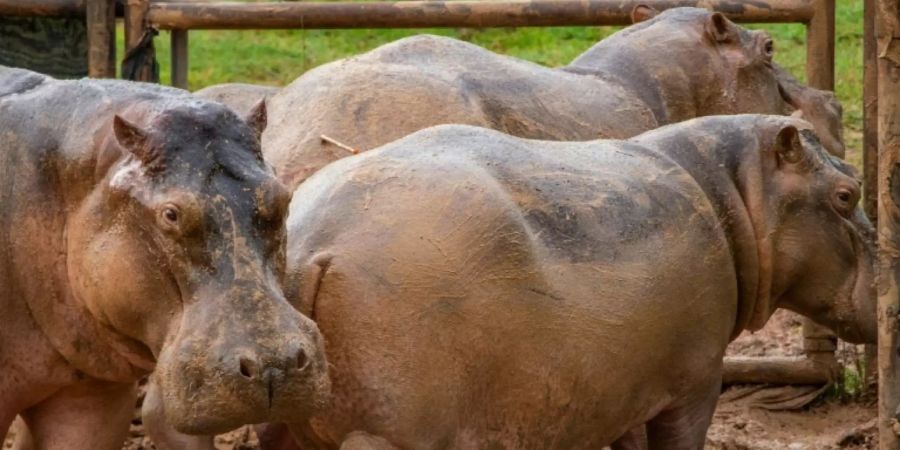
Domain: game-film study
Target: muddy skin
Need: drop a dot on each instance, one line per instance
(240, 97)
(477, 290)
(140, 230)
(680, 64)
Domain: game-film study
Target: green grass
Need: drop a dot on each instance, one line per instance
(278, 57)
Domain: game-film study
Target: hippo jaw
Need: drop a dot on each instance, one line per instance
(854, 317)
(823, 258)
(224, 368)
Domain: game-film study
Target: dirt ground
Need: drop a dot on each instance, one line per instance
(739, 424)
(829, 423)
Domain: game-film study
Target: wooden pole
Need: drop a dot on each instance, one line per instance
(424, 14)
(135, 22)
(142, 68)
(820, 46)
(54, 8)
(887, 34)
(870, 114)
(180, 58)
(819, 343)
(870, 151)
(779, 370)
(101, 29)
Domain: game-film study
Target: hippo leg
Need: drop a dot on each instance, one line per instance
(359, 440)
(85, 416)
(161, 433)
(634, 439)
(684, 427)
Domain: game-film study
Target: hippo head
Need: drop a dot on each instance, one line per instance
(815, 243)
(690, 62)
(182, 251)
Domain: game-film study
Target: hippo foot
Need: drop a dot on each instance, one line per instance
(360, 440)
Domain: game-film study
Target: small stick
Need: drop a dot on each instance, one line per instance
(343, 146)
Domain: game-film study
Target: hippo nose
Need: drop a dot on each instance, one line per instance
(252, 367)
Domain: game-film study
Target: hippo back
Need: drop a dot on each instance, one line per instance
(240, 97)
(421, 81)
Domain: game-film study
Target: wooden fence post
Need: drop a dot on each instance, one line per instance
(101, 30)
(180, 58)
(819, 343)
(887, 34)
(140, 57)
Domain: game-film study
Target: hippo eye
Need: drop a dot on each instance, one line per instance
(845, 200)
(170, 215)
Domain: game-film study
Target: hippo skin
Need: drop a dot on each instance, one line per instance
(240, 97)
(678, 65)
(477, 290)
(141, 231)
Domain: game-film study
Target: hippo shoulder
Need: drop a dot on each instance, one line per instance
(16, 81)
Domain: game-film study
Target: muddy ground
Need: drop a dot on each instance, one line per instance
(834, 421)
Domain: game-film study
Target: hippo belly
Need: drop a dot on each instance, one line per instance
(518, 300)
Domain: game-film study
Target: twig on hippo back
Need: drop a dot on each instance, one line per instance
(338, 144)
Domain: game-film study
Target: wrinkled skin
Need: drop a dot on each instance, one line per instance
(141, 231)
(477, 290)
(240, 97)
(680, 64)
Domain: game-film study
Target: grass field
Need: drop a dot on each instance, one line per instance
(278, 57)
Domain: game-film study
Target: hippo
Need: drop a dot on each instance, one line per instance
(669, 67)
(240, 97)
(142, 232)
(479, 290)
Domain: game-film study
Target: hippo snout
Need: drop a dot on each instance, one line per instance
(267, 374)
(253, 368)
(264, 362)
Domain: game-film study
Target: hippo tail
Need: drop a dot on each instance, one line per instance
(17, 81)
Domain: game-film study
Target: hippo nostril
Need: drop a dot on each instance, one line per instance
(249, 368)
(302, 359)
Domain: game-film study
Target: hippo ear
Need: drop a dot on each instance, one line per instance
(258, 118)
(788, 146)
(643, 12)
(134, 139)
(719, 29)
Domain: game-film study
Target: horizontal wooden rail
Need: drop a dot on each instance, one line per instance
(779, 370)
(52, 8)
(427, 14)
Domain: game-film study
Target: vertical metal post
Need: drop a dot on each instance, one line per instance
(101, 29)
(180, 58)
(887, 35)
(818, 342)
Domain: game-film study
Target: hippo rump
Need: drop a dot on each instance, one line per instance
(477, 290)
(141, 231)
(240, 97)
(680, 64)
